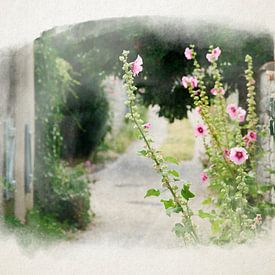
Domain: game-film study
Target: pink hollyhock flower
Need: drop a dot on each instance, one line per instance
(241, 114)
(141, 90)
(204, 177)
(188, 53)
(214, 55)
(222, 91)
(226, 152)
(216, 52)
(189, 80)
(136, 66)
(198, 109)
(209, 57)
(252, 135)
(194, 82)
(238, 155)
(246, 140)
(185, 81)
(232, 110)
(215, 91)
(147, 125)
(200, 130)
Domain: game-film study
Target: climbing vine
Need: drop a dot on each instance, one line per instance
(60, 190)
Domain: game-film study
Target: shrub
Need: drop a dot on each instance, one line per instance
(70, 196)
(39, 228)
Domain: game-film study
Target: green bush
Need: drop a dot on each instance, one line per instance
(70, 196)
(39, 228)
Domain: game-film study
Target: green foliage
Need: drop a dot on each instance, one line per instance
(171, 160)
(60, 192)
(91, 48)
(39, 228)
(186, 193)
(152, 192)
(70, 198)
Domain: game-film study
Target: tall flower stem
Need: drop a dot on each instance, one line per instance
(160, 166)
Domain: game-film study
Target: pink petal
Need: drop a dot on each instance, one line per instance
(188, 53)
(209, 57)
(216, 52)
(139, 60)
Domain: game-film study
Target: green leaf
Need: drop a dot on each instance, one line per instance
(215, 226)
(176, 209)
(168, 203)
(207, 201)
(204, 215)
(152, 193)
(174, 173)
(179, 230)
(171, 160)
(143, 152)
(186, 193)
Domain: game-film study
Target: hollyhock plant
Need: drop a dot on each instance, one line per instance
(188, 53)
(179, 197)
(236, 195)
(238, 155)
(200, 130)
(136, 66)
(231, 172)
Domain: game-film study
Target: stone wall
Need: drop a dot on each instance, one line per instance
(267, 91)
